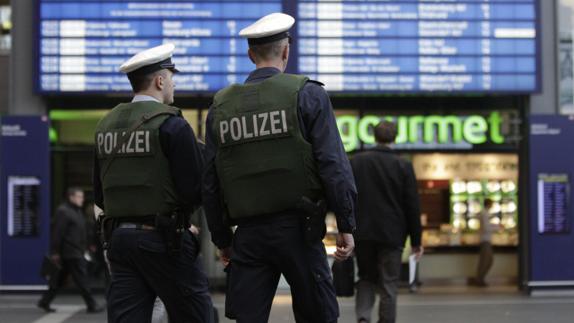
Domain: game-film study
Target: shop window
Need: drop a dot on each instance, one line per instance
(453, 189)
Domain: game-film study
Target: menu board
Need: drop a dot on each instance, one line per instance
(23, 206)
(364, 46)
(553, 198)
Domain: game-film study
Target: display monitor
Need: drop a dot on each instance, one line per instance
(364, 47)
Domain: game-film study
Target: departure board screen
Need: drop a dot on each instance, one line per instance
(383, 46)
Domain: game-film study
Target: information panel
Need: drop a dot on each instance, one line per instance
(23, 206)
(412, 46)
(83, 43)
(553, 193)
(364, 46)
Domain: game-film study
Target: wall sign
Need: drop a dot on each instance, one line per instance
(24, 199)
(461, 132)
(553, 200)
(23, 206)
(550, 215)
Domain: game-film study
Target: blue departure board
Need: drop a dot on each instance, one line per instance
(352, 46)
(553, 196)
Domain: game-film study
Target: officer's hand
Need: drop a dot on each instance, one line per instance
(345, 246)
(193, 229)
(225, 256)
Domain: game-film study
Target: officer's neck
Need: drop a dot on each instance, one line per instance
(156, 95)
(276, 64)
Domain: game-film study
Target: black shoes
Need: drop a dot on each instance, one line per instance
(96, 309)
(46, 307)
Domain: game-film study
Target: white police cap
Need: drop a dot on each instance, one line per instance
(270, 28)
(150, 60)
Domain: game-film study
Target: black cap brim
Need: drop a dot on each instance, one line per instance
(148, 69)
(268, 39)
(170, 67)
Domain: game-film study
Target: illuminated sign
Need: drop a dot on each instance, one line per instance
(425, 132)
(359, 46)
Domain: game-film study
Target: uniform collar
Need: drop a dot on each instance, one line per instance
(142, 98)
(261, 74)
(383, 148)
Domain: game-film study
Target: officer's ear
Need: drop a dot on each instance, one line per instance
(251, 55)
(159, 81)
(285, 54)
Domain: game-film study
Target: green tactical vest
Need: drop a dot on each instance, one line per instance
(263, 162)
(137, 180)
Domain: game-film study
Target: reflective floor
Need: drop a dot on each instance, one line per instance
(444, 305)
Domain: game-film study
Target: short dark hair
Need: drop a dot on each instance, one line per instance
(386, 132)
(73, 190)
(268, 51)
(141, 82)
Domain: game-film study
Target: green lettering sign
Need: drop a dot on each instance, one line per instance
(443, 126)
(365, 129)
(475, 130)
(402, 129)
(495, 121)
(348, 130)
(418, 129)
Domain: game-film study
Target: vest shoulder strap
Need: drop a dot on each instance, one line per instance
(316, 82)
(223, 95)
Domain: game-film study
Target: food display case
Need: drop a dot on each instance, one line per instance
(466, 203)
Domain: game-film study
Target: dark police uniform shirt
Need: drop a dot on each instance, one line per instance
(185, 158)
(317, 122)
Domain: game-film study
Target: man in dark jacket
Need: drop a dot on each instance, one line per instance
(388, 211)
(69, 242)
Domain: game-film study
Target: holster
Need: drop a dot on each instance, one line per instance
(172, 228)
(314, 226)
(105, 228)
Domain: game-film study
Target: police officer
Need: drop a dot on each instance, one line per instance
(147, 180)
(273, 152)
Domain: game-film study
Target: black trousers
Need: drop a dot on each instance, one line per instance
(261, 253)
(78, 269)
(379, 269)
(142, 269)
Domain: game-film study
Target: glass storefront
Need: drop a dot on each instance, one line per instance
(460, 158)
(453, 189)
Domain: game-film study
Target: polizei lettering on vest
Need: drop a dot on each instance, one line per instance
(138, 142)
(253, 126)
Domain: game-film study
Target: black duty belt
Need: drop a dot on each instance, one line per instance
(288, 215)
(136, 226)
